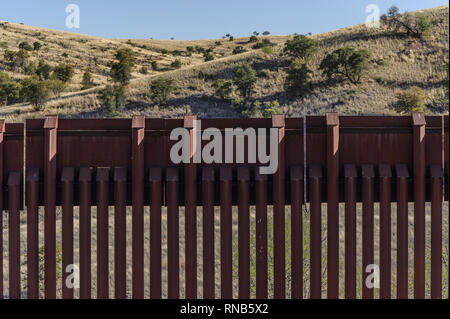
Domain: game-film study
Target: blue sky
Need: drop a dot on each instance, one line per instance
(199, 19)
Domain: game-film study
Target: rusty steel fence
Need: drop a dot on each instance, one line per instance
(120, 163)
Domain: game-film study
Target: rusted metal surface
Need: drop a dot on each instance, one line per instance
(155, 177)
(436, 231)
(120, 240)
(14, 181)
(315, 176)
(297, 232)
(349, 159)
(261, 235)
(208, 233)
(350, 174)
(385, 175)
(32, 234)
(402, 230)
(243, 177)
(333, 205)
(67, 179)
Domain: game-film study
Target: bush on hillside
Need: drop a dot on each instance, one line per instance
(298, 79)
(411, 100)
(35, 91)
(9, 90)
(223, 88)
(244, 78)
(301, 47)
(161, 90)
(346, 63)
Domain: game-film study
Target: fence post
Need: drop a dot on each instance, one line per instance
(84, 191)
(190, 183)
(173, 245)
(120, 239)
(419, 124)
(14, 234)
(436, 231)
(297, 232)
(261, 234)
(315, 199)
(208, 233)
(368, 175)
(32, 234)
(67, 179)
(155, 178)
(137, 168)
(244, 232)
(50, 145)
(351, 175)
(103, 232)
(385, 231)
(402, 230)
(2, 130)
(279, 263)
(333, 204)
(226, 240)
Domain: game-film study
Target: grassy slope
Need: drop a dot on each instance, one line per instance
(402, 62)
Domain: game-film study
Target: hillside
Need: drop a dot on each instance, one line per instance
(398, 62)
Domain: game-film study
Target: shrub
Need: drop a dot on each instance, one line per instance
(265, 33)
(9, 89)
(113, 98)
(301, 47)
(37, 46)
(346, 62)
(121, 70)
(416, 26)
(161, 89)
(64, 72)
(143, 70)
(244, 77)
(43, 70)
(56, 86)
(154, 65)
(264, 73)
(272, 108)
(30, 69)
(87, 81)
(253, 39)
(25, 46)
(239, 49)
(298, 79)
(267, 49)
(208, 56)
(412, 100)
(16, 59)
(257, 46)
(35, 91)
(223, 88)
(176, 64)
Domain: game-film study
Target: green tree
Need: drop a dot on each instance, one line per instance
(411, 100)
(37, 46)
(239, 49)
(87, 81)
(298, 79)
(43, 70)
(413, 25)
(25, 46)
(223, 88)
(64, 72)
(244, 77)
(208, 56)
(161, 89)
(176, 64)
(301, 47)
(35, 91)
(346, 62)
(9, 90)
(113, 98)
(122, 68)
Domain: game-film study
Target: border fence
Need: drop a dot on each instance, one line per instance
(120, 163)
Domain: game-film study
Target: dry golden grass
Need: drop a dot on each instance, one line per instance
(398, 62)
